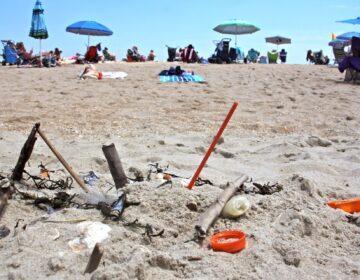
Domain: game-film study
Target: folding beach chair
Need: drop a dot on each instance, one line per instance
(339, 55)
(92, 54)
(273, 57)
(352, 63)
(9, 52)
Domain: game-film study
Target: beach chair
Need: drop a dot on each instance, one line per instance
(253, 55)
(273, 57)
(263, 59)
(9, 52)
(92, 54)
(171, 54)
(339, 55)
(222, 52)
(240, 55)
(189, 54)
(283, 55)
(352, 63)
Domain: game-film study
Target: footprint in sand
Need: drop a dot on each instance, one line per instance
(225, 154)
(314, 141)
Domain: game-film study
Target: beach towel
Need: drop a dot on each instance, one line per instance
(182, 78)
(114, 75)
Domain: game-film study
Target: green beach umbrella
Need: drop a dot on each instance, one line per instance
(236, 27)
(38, 28)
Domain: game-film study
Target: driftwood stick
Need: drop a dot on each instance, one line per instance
(25, 154)
(211, 214)
(62, 160)
(95, 258)
(115, 166)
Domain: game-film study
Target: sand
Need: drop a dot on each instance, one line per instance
(296, 125)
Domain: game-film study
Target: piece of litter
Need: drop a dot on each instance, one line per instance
(91, 233)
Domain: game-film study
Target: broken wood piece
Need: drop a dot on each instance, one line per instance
(213, 212)
(115, 166)
(25, 154)
(95, 258)
(63, 162)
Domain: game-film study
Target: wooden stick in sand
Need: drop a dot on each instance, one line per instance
(25, 154)
(95, 258)
(213, 212)
(62, 160)
(115, 166)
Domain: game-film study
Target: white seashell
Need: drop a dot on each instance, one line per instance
(235, 207)
(159, 176)
(92, 233)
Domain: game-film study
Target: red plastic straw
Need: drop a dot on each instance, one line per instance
(212, 146)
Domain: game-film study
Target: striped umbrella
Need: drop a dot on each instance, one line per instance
(278, 40)
(236, 27)
(38, 28)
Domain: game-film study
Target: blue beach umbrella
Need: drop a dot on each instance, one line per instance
(89, 28)
(348, 35)
(351, 21)
(339, 43)
(236, 27)
(38, 28)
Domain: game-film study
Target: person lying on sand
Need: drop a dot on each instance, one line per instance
(90, 72)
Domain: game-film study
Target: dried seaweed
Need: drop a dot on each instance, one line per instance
(199, 182)
(61, 200)
(266, 189)
(149, 232)
(47, 183)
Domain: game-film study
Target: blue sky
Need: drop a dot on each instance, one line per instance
(152, 24)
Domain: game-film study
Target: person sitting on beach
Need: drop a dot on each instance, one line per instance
(283, 55)
(107, 55)
(58, 58)
(22, 53)
(317, 57)
(49, 59)
(136, 52)
(178, 54)
(151, 56)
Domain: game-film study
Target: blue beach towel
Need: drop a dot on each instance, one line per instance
(182, 78)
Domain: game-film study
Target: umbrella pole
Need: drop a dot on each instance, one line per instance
(40, 55)
(88, 42)
(235, 41)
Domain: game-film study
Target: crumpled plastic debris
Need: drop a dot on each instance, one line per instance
(91, 178)
(91, 233)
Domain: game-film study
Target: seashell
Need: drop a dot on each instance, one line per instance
(236, 207)
(159, 176)
(167, 177)
(92, 233)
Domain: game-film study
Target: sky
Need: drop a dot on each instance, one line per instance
(153, 24)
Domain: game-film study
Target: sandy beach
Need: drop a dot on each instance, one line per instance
(295, 125)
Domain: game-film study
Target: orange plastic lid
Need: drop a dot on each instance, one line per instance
(218, 241)
(350, 205)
